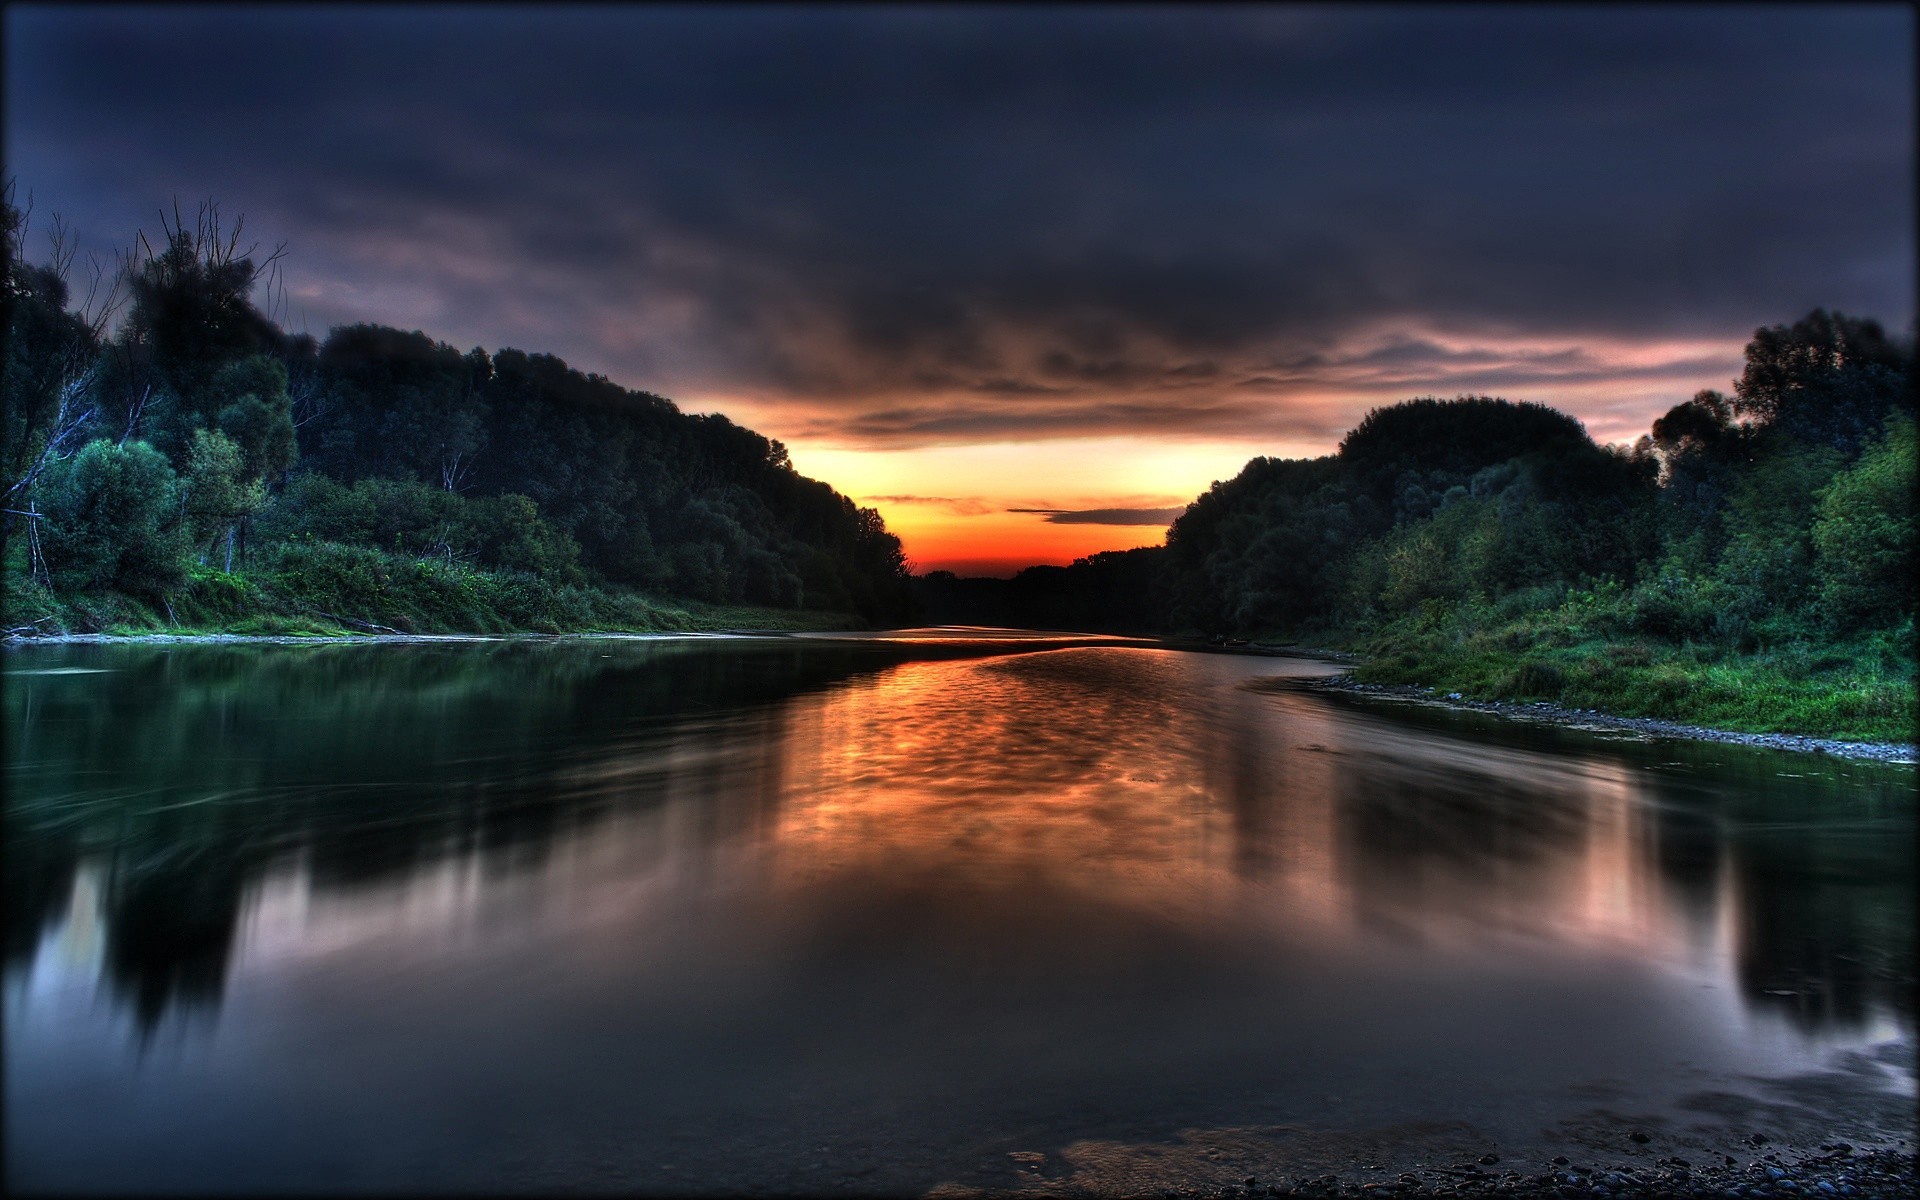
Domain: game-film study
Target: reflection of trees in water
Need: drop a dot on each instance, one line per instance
(1249, 777)
(1822, 905)
(1822, 919)
(1825, 930)
(1688, 848)
(190, 772)
(39, 884)
(169, 931)
(1414, 840)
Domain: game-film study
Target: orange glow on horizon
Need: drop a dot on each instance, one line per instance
(950, 505)
(1001, 543)
(949, 502)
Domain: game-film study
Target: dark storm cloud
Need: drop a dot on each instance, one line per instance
(912, 225)
(939, 420)
(1107, 516)
(966, 506)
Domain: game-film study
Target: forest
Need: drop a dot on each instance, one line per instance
(174, 458)
(1748, 563)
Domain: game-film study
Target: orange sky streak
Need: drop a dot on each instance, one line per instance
(949, 501)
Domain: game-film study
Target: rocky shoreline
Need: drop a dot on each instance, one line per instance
(1836, 1171)
(1582, 718)
(1597, 1156)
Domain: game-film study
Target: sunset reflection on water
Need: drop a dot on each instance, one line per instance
(508, 905)
(1138, 778)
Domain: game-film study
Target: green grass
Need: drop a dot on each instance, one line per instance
(329, 590)
(1575, 650)
(1858, 690)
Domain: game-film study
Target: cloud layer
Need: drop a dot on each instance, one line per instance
(1107, 516)
(901, 227)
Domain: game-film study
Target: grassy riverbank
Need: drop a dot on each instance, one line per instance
(332, 590)
(1858, 689)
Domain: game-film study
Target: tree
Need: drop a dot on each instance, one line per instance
(113, 518)
(1828, 378)
(1704, 425)
(401, 404)
(601, 483)
(218, 491)
(1864, 533)
(52, 360)
(1450, 438)
(192, 310)
(1768, 558)
(250, 400)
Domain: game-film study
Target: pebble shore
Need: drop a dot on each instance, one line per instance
(1838, 1170)
(1591, 719)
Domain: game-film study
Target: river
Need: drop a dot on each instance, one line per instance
(899, 913)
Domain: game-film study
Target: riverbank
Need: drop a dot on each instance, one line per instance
(393, 639)
(1859, 689)
(1838, 1171)
(1565, 715)
(697, 620)
(415, 600)
(1600, 1155)
(1813, 1141)
(1586, 718)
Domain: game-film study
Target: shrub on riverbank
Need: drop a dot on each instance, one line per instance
(324, 588)
(1857, 689)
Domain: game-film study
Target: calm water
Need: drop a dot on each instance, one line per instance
(891, 914)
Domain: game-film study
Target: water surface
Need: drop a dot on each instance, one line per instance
(896, 913)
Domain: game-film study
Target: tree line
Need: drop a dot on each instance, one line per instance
(162, 429)
(1782, 511)
(163, 433)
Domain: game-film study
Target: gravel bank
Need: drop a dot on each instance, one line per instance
(1837, 1171)
(1583, 718)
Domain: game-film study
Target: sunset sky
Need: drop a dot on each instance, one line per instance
(1025, 280)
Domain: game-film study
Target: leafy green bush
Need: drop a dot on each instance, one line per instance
(250, 402)
(1675, 605)
(1766, 566)
(215, 491)
(29, 604)
(1535, 680)
(332, 579)
(113, 521)
(1863, 534)
(215, 598)
(411, 518)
